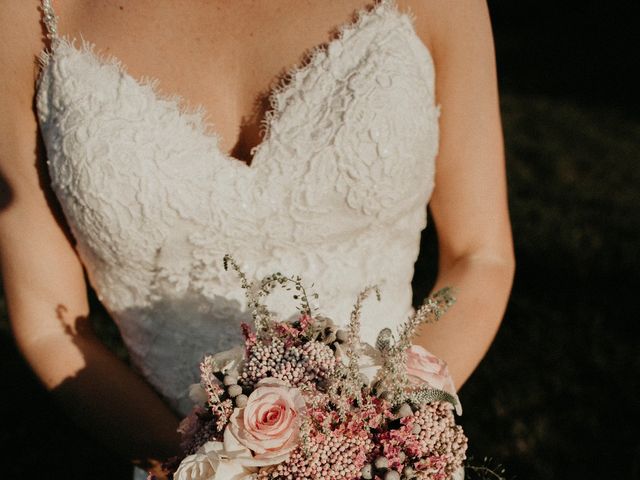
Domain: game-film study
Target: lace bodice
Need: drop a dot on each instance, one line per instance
(337, 190)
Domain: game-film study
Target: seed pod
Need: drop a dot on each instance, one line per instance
(241, 400)
(408, 472)
(381, 462)
(234, 390)
(405, 411)
(367, 472)
(392, 475)
(230, 380)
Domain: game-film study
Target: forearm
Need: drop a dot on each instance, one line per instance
(463, 335)
(105, 397)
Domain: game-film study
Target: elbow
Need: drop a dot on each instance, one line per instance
(487, 267)
(508, 261)
(508, 264)
(501, 268)
(504, 262)
(503, 265)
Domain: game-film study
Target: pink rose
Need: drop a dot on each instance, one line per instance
(424, 367)
(270, 422)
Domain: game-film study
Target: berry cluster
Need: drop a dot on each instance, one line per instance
(427, 445)
(307, 363)
(335, 455)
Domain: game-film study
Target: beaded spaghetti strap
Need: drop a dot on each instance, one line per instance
(50, 20)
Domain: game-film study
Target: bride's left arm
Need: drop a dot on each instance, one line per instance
(469, 203)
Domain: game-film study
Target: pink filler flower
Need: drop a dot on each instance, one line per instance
(270, 422)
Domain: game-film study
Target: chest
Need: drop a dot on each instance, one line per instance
(350, 144)
(224, 56)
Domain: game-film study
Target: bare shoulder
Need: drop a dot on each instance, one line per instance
(22, 36)
(443, 23)
(27, 215)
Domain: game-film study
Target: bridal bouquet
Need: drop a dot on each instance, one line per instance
(304, 399)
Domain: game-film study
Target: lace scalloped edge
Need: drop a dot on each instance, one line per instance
(196, 114)
(286, 80)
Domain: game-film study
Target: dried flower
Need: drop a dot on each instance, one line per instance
(299, 400)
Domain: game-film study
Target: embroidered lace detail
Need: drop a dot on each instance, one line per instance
(337, 191)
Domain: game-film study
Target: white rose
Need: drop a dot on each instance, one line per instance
(198, 466)
(227, 460)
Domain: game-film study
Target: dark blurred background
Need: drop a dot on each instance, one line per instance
(556, 398)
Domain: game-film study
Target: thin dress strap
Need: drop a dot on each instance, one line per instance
(50, 20)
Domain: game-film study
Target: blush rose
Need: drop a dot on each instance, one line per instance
(424, 367)
(268, 425)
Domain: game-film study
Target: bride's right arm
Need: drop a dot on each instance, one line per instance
(44, 283)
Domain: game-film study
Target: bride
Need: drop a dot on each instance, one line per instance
(141, 141)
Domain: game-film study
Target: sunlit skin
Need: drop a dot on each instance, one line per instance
(231, 66)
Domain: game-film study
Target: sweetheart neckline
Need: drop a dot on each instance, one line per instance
(199, 114)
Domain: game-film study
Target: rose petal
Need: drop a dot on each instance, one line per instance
(194, 467)
(242, 454)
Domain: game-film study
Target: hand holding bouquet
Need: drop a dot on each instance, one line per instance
(307, 400)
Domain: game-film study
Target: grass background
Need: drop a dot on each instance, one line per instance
(557, 395)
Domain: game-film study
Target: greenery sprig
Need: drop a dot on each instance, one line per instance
(392, 377)
(428, 395)
(349, 383)
(346, 386)
(255, 291)
(486, 470)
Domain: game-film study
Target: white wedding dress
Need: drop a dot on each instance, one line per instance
(337, 190)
